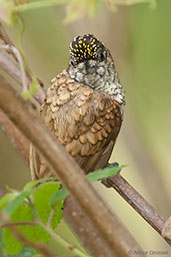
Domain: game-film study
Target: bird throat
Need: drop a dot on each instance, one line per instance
(100, 77)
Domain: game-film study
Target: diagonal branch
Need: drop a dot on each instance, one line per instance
(139, 204)
(110, 229)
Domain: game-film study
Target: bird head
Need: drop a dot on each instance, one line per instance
(89, 60)
(92, 64)
(87, 48)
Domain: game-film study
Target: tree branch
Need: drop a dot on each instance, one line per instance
(114, 234)
(139, 204)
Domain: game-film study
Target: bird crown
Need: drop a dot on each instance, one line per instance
(84, 47)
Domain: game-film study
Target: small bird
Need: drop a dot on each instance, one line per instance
(83, 107)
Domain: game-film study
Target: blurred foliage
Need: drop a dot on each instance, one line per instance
(30, 205)
(75, 8)
(139, 39)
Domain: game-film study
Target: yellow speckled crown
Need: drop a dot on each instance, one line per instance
(84, 48)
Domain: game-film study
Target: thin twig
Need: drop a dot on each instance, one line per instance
(116, 236)
(50, 217)
(15, 224)
(139, 204)
(17, 54)
(6, 39)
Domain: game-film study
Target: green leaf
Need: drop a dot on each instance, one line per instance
(26, 252)
(19, 209)
(17, 201)
(26, 94)
(58, 196)
(93, 176)
(34, 87)
(102, 174)
(42, 198)
(36, 233)
(32, 184)
(22, 214)
(2, 244)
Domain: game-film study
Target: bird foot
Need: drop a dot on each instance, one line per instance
(113, 164)
(109, 165)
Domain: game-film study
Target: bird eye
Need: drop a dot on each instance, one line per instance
(102, 56)
(72, 62)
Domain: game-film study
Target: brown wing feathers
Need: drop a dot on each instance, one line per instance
(85, 121)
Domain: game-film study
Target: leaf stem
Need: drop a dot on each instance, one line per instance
(63, 242)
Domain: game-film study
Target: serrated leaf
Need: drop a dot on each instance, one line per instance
(42, 198)
(17, 201)
(19, 211)
(22, 214)
(36, 233)
(32, 184)
(26, 252)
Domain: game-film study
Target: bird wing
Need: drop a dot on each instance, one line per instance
(84, 120)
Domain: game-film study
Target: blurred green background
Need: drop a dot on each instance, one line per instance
(140, 41)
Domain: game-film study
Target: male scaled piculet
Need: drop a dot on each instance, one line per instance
(83, 107)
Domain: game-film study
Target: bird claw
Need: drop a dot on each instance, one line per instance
(104, 181)
(113, 164)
